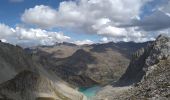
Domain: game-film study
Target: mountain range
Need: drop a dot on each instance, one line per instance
(87, 65)
(124, 70)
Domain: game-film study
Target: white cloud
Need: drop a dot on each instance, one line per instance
(88, 16)
(26, 36)
(42, 36)
(83, 42)
(130, 34)
(5, 31)
(112, 31)
(42, 16)
(104, 40)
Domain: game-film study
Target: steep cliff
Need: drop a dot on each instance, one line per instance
(144, 58)
(147, 77)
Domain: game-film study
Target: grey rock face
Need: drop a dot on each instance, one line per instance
(150, 71)
(160, 50)
(144, 58)
(148, 75)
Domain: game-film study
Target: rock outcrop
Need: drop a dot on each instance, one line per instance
(155, 84)
(144, 58)
(148, 74)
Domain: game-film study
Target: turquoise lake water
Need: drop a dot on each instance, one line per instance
(90, 92)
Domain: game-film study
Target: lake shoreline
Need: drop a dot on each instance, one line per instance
(90, 92)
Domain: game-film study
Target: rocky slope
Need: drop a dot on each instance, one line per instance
(145, 58)
(29, 85)
(149, 72)
(88, 65)
(13, 60)
(22, 78)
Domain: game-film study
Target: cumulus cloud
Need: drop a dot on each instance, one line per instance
(87, 16)
(26, 36)
(83, 42)
(41, 36)
(130, 34)
(42, 16)
(83, 12)
(5, 31)
(116, 20)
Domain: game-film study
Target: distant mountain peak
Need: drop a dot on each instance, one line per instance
(66, 43)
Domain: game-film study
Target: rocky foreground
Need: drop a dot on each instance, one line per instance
(147, 77)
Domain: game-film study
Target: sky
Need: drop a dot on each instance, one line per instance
(45, 22)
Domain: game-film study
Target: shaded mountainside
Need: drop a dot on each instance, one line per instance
(148, 73)
(73, 69)
(155, 72)
(87, 65)
(125, 48)
(13, 60)
(22, 78)
(29, 85)
(144, 58)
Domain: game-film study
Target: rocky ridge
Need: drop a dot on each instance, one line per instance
(148, 74)
(144, 58)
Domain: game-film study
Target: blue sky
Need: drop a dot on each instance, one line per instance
(74, 20)
(147, 8)
(10, 13)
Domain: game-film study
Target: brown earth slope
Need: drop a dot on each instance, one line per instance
(87, 65)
